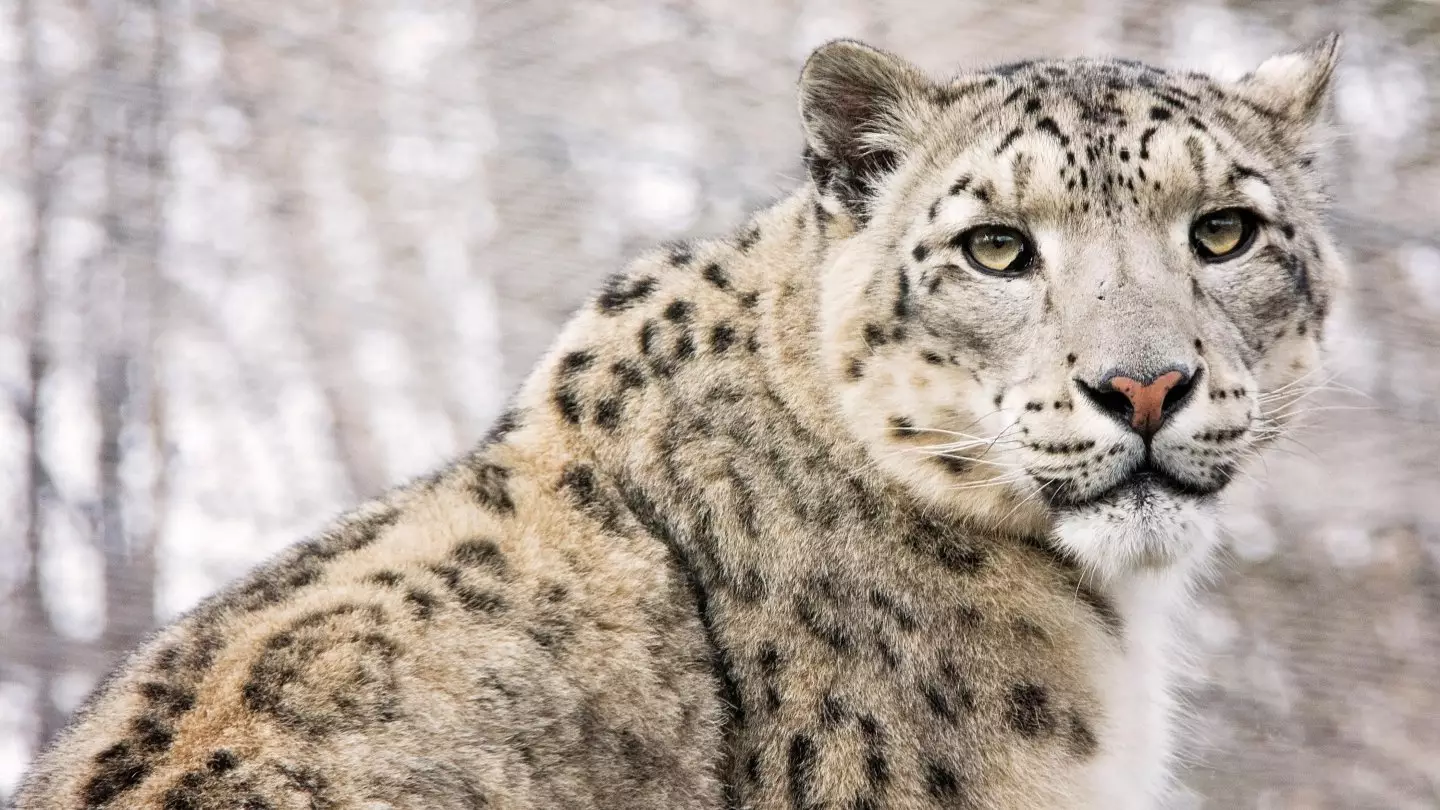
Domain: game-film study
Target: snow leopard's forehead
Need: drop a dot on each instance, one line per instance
(1088, 139)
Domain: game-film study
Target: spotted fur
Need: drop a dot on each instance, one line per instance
(817, 516)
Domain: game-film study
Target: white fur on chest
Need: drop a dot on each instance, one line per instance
(1136, 679)
(1133, 770)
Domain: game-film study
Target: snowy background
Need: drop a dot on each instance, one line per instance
(262, 258)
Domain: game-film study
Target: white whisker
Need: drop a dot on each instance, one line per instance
(1032, 496)
(996, 481)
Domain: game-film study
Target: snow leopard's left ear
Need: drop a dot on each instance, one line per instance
(860, 108)
(1295, 86)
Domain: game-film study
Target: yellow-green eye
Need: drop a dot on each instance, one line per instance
(996, 249)
(1223, 234)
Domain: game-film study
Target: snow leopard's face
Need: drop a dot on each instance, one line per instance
(1075, 294)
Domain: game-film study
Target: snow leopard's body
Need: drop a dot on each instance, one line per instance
(814, 516)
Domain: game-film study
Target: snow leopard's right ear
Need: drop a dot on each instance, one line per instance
(1293, 87)
(859, 107)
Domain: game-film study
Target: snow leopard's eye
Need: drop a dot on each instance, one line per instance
(1223, 235)
(997, 250)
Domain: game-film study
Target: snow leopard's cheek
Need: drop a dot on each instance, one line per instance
(979, 323)
(1264, 295)
(916, 364)
(1285, 376)
(931, 357)
(1274, 303)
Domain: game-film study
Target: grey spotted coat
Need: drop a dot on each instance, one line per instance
(712, 558)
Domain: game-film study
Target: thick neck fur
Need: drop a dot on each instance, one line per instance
(850, 619)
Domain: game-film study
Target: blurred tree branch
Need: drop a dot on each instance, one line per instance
(133, 144)
(327, 336)
(41, 657)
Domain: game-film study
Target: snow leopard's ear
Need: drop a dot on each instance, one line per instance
(860, 108)
(1295, 86)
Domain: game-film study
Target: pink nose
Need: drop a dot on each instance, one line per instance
(1147, 401)
(1144, 403)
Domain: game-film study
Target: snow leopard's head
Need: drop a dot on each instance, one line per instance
(1070, 296)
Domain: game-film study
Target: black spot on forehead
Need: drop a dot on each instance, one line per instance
(1012, 68)
(1009, 139)
(1145, 142)
(1048, 126)
(1103, 104)
(1096, 122)
(1240, 173)
(963, 88)
(1106, 92)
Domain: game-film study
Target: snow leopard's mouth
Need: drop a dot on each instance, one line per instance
(1147, 479)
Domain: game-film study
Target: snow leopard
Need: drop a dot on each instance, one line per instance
(896, 496)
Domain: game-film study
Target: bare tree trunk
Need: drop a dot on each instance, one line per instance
(38, 649)
(431, 341)
(326, 336)
(152, 312)
(129, 125)
(534, 257)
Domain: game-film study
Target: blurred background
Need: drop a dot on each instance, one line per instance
(262, 258)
